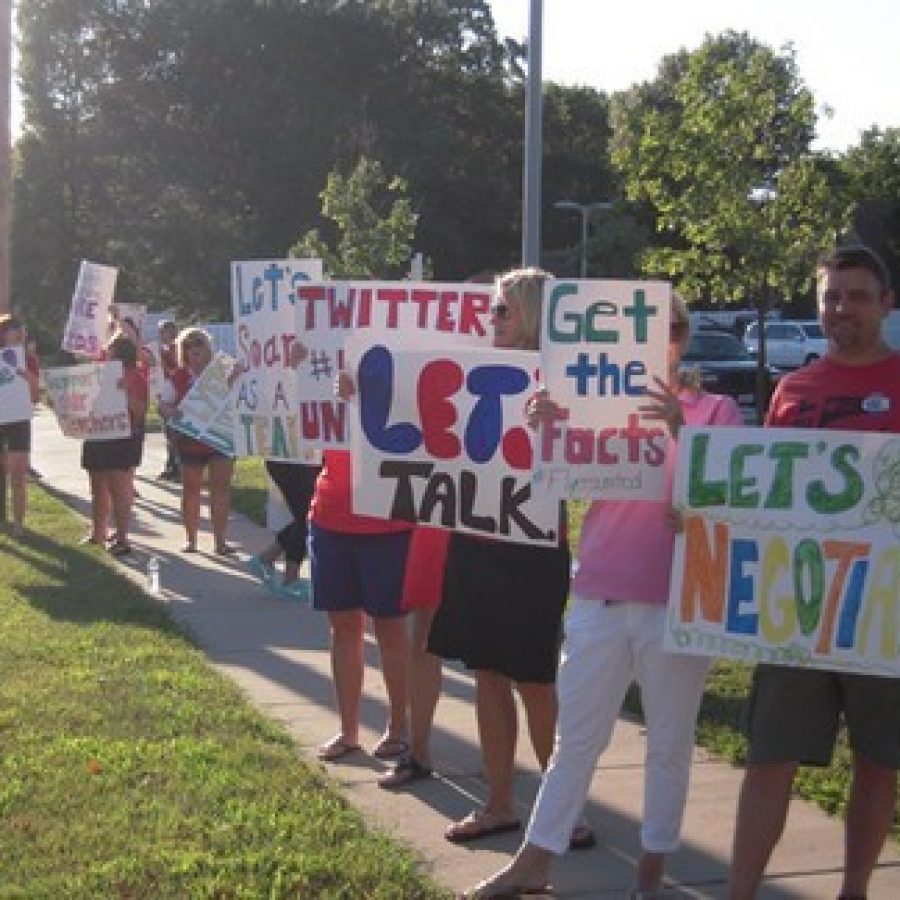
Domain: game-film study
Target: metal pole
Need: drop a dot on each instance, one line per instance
(531, 178)
(585, 214)
(5, 149)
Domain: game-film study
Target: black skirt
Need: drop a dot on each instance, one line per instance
(105, 456)
(502, 608)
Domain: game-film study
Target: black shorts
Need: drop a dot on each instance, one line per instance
(502, 608)
(16, 436)
(107, 456)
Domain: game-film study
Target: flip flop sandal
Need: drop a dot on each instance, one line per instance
(391, 748)
(582, 838)
(336, 749)
(477, 825)
(405, 772)
(119, 548)
(226, 550)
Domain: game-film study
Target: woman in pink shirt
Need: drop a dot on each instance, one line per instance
(614, 634)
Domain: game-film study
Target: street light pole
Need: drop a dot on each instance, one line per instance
(585, 210)
(531, 169)
(5, 149)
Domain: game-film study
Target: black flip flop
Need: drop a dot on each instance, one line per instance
(405, 772)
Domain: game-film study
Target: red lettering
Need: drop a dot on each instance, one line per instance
(438, 381)
(475, 308)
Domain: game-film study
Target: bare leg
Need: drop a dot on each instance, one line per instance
(220, 472)
(393, 644)
(540, 710)
(121, 493)
(100, 503)
(650, 871)
(424, 687)
(497, 732)
(347, 669)
(191, 482)
(870, 811)
(17, 468)
(762, 810)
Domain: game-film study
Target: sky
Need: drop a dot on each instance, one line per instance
(847, 51)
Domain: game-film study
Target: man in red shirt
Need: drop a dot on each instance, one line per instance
(795, 712)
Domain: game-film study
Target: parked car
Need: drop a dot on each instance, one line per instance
(725, 366)
(789, 345)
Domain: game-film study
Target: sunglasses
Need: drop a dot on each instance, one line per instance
(500, 311)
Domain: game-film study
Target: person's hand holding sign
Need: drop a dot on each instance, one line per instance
(666, 408)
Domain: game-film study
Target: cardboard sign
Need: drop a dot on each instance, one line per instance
(791, 548)
(15, 394)
(287, 413)
(205, 413)
(88, 402)
(86, 329)
(602, 344)
(440, 440)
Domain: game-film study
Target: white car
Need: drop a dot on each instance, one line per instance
(789, 345)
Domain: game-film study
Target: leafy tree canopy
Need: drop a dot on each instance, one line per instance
(374, 223)
(719, 146)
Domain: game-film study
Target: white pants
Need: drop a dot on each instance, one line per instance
(607, 646)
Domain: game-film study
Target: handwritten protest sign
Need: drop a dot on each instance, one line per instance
(88, 402)
(205, 413)
(791, 548)
(15, 395)
(602, 343)
(286, 413)
(441, 441)
(135, 313)
(267, 395)
(86, 329)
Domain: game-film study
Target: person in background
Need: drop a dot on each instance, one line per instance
(613, 635)
(15, 437)
(33, 364)
(110, 463)
(296, 482)
(168, 361)
(795, 713)
(501, 613)
(194, 355)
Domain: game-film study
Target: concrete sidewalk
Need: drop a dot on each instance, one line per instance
(277, 651)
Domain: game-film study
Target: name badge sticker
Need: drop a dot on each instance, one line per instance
(876, 403)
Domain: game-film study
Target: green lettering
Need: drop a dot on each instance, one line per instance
(741, 495)
(808, 557)
(563, 337)
(781, 493)
(700, 491)
(822, 500)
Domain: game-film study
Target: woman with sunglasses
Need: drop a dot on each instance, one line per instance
(15, 437)
(614, 634)
(194, 351)
(501, 613)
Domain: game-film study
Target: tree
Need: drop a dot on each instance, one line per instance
(719, 146)
(374, 225)
(872, 170)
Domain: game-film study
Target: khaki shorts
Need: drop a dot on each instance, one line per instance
(794, 716)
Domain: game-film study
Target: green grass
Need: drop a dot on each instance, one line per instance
(719, 724)
(130, 769)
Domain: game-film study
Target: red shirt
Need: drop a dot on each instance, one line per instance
(830, 394)
(332, 502)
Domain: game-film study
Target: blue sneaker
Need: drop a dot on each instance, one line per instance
(298, 591)
(262, 571)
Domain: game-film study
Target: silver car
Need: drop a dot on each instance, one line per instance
(789, 345)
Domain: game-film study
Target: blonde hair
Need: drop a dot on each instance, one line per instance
(526, 287)
(189, 335)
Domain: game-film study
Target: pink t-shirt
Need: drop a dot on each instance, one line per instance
(626, 546)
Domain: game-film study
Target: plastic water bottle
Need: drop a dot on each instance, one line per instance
(153, 575)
